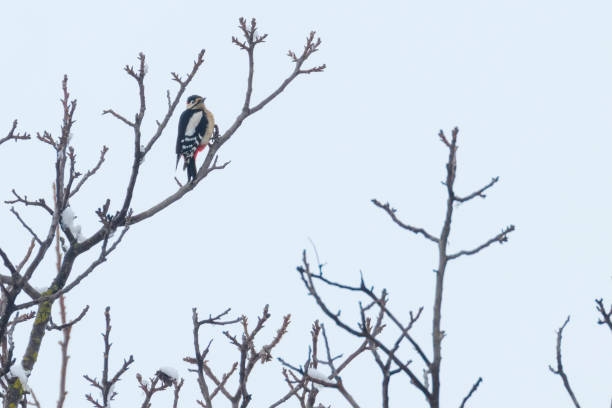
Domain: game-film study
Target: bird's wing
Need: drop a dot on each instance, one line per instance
(195, 123)
(182, 127)
(190, 140)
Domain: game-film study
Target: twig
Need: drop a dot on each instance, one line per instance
(64, 325)
(104, 252)
(106, 386)
(14, 136)
(249, 356)
(26, 226)
(25, 259)
(501, 238)
(292, 391)
(307, 277)
(472, 391)
(35, 403)
(177, 390)
(65, 357)
(478, 193)
(90, 172)
(150, 389)
(391, 211)
(118, 116)
(216, 320)
(24, 200)
(559, 370)
(606, 317)
(7, 262)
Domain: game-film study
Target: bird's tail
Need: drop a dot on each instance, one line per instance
(191, 169)
(178, 157)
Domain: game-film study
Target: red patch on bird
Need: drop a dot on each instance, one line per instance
(198, 150)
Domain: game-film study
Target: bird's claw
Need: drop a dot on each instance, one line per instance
(215, 136)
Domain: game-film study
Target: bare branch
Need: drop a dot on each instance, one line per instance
(47, 138)
(64, 350)
(293, 391)
(7, 262)
(26, 226)
(472, 391)
(217, 319)
(24, 200)
(35, 402)
(362, 288)
(104, 252)
(478, 193)
(106, 385)
(391, 211)
(559, 370)
(14, 136)
(169, 101)
(150, 389)
(501, 238)
(177, 390)
(363, 347)
(90, 172)
(25, 258)
(65, 325)
(220, 384)
(606, 317)
(172, 106)
(118, 116)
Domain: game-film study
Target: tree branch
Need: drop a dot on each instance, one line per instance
(24, 200)
(14, 136)
(478, 193)
(118, 116)
(307, 276)
(606, 317)
(391, 211)
(501, 238)
(90, 172)
(472, 391)
(26, 226)
(66, 325)
(106, 386)
(559, 370)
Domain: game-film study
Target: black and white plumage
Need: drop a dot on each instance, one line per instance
(194, 132)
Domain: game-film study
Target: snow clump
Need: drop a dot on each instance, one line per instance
(68, 218)
(170, 372)
(18, 371)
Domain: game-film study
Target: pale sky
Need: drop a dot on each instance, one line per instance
(529, 85)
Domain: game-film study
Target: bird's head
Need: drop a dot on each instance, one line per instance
(195, 101)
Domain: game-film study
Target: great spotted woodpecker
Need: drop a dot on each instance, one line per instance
(195, 129)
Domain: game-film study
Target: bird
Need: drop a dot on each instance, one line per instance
(195, 129)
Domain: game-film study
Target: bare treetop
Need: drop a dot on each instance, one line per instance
(387, 355)
(68, 181)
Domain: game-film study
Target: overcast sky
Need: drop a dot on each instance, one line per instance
(528, 84)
